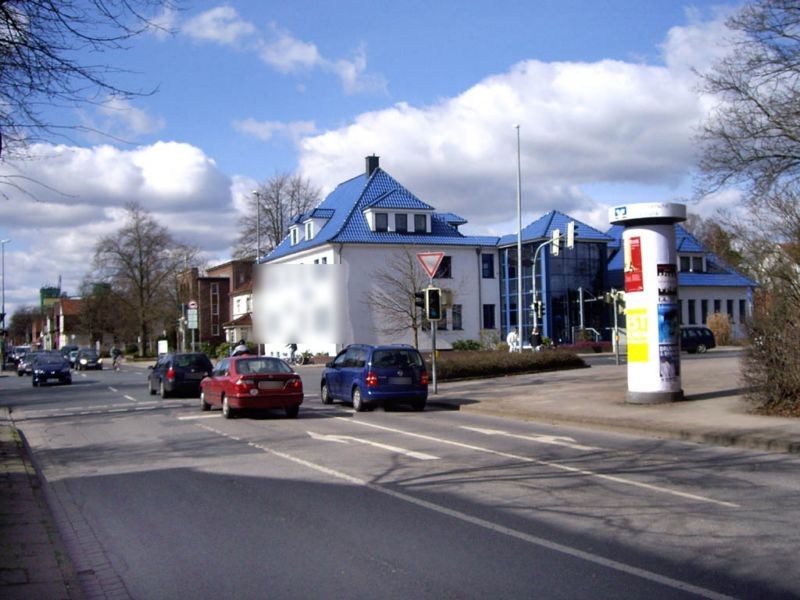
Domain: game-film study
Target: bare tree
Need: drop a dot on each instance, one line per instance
(752, 140)
(718, 237)
(21, 326)
(141, 262)
(277, 202)
(46, 58)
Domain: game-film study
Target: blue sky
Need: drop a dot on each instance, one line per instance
(603, 90)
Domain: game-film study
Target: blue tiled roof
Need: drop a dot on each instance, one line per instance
(451, 218)
(347, 223)
(542, 229)
(399, 198)
(717, 274)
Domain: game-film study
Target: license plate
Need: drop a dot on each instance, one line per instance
(270, 385)
(399, 380)
(194, 375)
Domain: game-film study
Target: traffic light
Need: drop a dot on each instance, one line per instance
(539, 306)
(419, 300)
(433, 304)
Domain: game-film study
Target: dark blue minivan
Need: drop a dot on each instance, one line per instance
(371, 375)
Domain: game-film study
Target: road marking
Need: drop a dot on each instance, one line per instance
(131, 398)
(547, 463)
(489, 525)
(346, 439)
(195, 417)
(555, 440)
(113, 389)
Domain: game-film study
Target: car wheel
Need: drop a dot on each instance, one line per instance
(358, 402)
(701, 348)
(163, 390)
(325, 393)
(292, 411)
(150, 387)
(19, 373)
(35, 382)
(203, 404)
(227, 411)
(418, 405)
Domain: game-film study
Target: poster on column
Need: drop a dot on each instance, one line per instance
(668, 322)
(634, 280)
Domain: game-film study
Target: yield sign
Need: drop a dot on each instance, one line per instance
(430, 261)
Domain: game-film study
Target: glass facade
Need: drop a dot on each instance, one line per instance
(559, 281)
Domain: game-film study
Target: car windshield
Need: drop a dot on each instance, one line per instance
(49, 357)
(192, 360)
(396, 358)
(262, 365)
(91, 354)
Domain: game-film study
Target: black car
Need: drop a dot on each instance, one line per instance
(25, 364)
(88, 359)
(179, 372)
(47, 366)
(697, 339)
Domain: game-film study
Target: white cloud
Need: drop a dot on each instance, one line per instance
(265, 130)
(286, 53)
(118, 118)
(221, 25)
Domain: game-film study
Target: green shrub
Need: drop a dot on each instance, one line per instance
(132, 349)
(492, 363)
(466, 345)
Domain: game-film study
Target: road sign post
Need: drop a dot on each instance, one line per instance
(430, 262)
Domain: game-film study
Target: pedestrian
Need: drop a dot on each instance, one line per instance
(535, 340)
(511, 339)
(292, 349)
(241, 348)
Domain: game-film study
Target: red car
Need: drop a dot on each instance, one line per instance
(257, 382)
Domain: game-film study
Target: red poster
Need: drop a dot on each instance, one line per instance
(633, 265)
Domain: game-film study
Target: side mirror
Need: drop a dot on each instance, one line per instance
(329, 365)
(151, 367)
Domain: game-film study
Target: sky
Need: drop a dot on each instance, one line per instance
(605, 94)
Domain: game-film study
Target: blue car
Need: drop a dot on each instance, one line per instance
(47, 366)
(371, 375)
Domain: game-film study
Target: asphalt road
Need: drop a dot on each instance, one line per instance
(159, 500)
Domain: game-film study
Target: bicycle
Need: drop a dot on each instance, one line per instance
(116, 363)
(299, 358)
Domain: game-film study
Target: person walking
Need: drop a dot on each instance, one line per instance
(535, 340)
(241, 348)
(512, 339)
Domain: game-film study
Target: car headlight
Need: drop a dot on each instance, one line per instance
(83, 361)
(99, 360)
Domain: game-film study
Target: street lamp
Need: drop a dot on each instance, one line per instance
(258, 224)
(519, 246)
(3, 311)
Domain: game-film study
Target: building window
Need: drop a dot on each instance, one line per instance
(686, 263)
(703, 311)
(697, 264)
(692, 316)
(742, 311)
(401, 223)
(214, 299)
(457, 325)
(730, 310)
(249, 304)
(717, 306)
(680, 312)
(309, 230)
(295, 236)
(445, 270)
(324, 260)
(316, 261)
(420, 224)
(488, 316)
(442, 324)
(381, 221)
(215, 329)
(487, 266)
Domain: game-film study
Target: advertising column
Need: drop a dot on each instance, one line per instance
(651, 299)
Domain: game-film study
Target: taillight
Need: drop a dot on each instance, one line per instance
(372, 379)
(170, 373)
(423, 379)
(243, 384)
(294, 384)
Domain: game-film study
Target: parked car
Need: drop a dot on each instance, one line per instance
(252, 382)
(88, 359)
(369, 375)
(18, 353)
(179, 372)
(48, 366)
(24, 366)
(697, 339)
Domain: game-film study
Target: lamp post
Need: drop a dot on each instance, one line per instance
(3, 311)
(519, 245)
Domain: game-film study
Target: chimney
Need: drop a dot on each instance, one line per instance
(372, 164)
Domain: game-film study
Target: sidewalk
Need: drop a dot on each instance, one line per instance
(713, 411)
(33, 562)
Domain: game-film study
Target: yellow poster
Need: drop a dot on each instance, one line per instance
(636, 321)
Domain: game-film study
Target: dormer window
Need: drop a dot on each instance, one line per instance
(309, 230)
(401, 223)
(381, 221)
(692, 264)
(295, 235)
(420, 223)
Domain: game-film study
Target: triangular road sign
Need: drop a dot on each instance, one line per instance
(430, 261)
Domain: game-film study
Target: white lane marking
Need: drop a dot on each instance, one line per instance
(494, 527)
(131, 398)
(555, 440)
(346, 439)
(547, 463)
(195, 417)
(113, 389)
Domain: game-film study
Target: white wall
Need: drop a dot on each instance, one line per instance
(711, 293)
